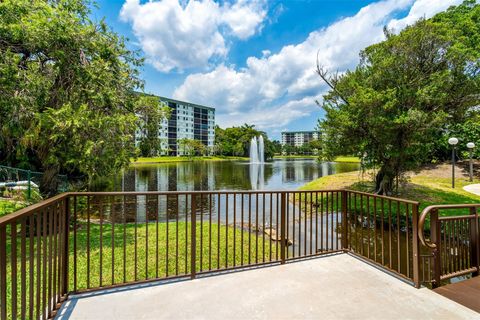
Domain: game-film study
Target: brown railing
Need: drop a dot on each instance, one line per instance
(453, 248)
(85, 241)
(384, 230)
(34, 259)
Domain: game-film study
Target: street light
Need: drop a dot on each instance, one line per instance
(470, 147)
(453, 142)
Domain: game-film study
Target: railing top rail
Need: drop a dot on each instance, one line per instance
(451, 218)
(140, 193)
(384, 197)
(427, 210)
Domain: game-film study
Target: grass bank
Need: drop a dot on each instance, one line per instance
(346, 159)
(296, 157)
(427, 186)
(165, 159)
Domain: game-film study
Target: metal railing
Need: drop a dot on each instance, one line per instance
(78, 242)
(384, 230)
(454, 242)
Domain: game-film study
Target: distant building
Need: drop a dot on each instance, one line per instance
(298, 138)
(187, 120)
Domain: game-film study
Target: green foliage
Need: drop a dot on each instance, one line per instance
(67, 100)
(310, 148)
(191, 147)
(235, 141)
(276, 147)
(468, 131)
(406, 90)
(150, 113)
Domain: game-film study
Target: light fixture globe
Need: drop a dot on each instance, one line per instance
(470, 145)
(452, 141)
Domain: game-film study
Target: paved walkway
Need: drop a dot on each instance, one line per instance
(473, 188)
(330, 287)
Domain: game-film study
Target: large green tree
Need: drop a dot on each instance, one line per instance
(406, 90)
(67, 101)
(235, 141)
(150, 112)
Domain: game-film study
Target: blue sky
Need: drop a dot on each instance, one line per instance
(254, 61)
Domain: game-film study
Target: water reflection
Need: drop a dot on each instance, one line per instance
(225, 175)
(257, 176)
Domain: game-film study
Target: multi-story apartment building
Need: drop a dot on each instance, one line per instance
(298, 138)
(187, 120)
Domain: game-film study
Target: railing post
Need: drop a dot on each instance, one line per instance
(3, 273)
(66, 245)
(416, 247)
(193, 249)
(435, 237)
(474, 239)
(344, 220)
(284, 242)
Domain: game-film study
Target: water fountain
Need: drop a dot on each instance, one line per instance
(257, 150)
(257, 159)
(253, 150)
(261, 150)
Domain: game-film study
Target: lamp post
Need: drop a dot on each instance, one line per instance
(470, 147)
(453, 142)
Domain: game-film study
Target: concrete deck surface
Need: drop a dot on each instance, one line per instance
(473, 188)
(330, 287)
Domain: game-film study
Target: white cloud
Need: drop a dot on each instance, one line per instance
(243, 17)
(183, 35)
(421, 9)
(281, 87)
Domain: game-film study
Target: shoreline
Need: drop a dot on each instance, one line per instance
(174, 159)
(428, 186)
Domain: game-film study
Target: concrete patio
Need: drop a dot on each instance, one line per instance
(329, 287)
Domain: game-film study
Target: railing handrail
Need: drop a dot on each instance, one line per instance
(140, 193)
(427, 210)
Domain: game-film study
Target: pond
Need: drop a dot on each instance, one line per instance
(284, 174)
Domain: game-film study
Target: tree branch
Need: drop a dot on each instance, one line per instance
(323, 73)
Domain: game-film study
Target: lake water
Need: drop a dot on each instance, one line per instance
(284, 174)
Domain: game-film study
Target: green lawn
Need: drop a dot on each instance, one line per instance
(337, 159)
(296, 157)
(164, 159)
(211, 252)
(426, 189)
(347, 159)
(206, 251)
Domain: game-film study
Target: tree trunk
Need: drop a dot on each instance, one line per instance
(384, 181)
(49, 182)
